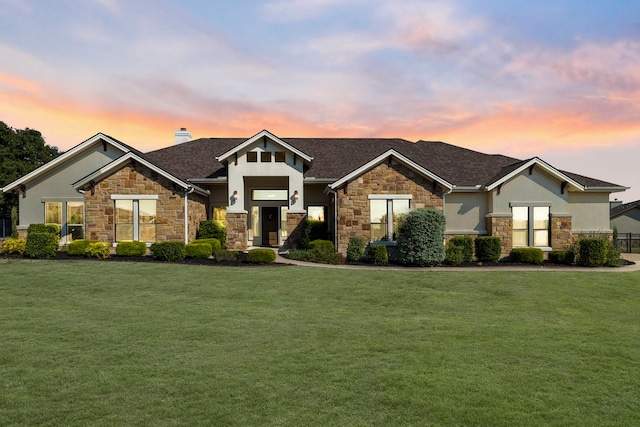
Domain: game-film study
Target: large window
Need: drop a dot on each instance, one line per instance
(316, 213)
(53, 213)
(384, 214)
(135, 219)
(69, 216)
(530, 226)
(75, 221)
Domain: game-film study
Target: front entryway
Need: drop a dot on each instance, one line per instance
(269, 226)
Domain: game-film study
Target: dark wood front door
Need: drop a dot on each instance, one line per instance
(269, 226)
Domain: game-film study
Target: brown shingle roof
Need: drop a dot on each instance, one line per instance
(334, 158)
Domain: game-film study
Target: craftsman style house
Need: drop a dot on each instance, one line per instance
(263, 188)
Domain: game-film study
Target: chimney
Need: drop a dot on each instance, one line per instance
(615, 203)
(182, 135)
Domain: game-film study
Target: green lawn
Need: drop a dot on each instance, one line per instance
(107, 343)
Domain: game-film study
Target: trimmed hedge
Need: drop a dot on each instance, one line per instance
(41, 245)
(198, 250)
(592, 252)
(97, 250)
(488, 248)
(421, 238)
(317, 255)
(131, 249)
(77, 247)
(212, 241)
(356, 248)
(313, 229)
(226, 255)
(212, 229)
(378, 255)
(44, 228)
(454, 255)
(13, 246)
(322, 245)
(466, 243)
(261, 256)
(563, 256)
(168, 251)
(527, 255)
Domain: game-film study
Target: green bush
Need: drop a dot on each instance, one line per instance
(421, 238)
(97, 250)
(454, 255)
(198, 250)
(377, 255)
(613, 254)
(212, 241)
(168, 251)
(488, 248)
(322, 245)
(131, 249)
(562, 256)
(78, 247)
(317, 255)
(313, 229)
(44, 228)
(466, 243)
(41, 245)
(225, 255)
(356, 247)
(261, 256)
(527, 255)
(14, 222)
(592, 252)
(212, 229)
(13, 246)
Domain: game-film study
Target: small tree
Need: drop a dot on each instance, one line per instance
(14, 222)
(421, 238)
(212, 229)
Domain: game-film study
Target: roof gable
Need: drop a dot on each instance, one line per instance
(257, 137)
(517, 169)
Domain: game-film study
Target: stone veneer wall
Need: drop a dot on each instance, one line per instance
(561, 236)
(353, 203)
(99, 207)
(501, 227)
(236, 231)
(294, 229)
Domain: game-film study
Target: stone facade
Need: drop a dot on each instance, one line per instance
(561, 236)
(237, 231)
(137, 180)
(395, 178)
(502, 227)
(294, 229)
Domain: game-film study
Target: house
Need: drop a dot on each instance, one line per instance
(625, 217)
(265, 186)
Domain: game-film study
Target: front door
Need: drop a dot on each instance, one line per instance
(269, 226)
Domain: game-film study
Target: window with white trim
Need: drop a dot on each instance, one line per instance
(531, 226)
(384, 213)
(135, 218)
(69, 216)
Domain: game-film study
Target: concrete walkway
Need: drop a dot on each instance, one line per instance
(635, 258)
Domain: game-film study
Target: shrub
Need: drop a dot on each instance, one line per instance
(78, 247)
(261, 256)
(563, 256)
(131, 249)
(198, 250)
(377, 255)
(313, 229)
(613, 254)
(13, 246)
(212, 241)
(488, 248)
(212, 229)
(41, 245)
(44, 228)
(321, 245)
(356, 247)
(592, 252)
(97, 250)
(527, 255)
(14, 222)
(421, 238)
(168, 251)
(225, 255)
(459, 250)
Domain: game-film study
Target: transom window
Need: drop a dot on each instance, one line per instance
(384, 213)
(530, 226)
(265, 195)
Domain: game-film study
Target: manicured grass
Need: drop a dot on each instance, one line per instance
(106, 343)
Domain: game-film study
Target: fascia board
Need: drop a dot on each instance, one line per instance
(255, 138)
(408, 162)
(62, 158)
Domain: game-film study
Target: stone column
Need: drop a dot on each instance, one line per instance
(294, 229)
(237, 231)
(501, 226)
(561, 236)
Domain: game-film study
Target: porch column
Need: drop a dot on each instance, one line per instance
(501, 225)
(237, 230)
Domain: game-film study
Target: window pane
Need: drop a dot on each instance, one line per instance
(220, 214)
(379, 231)
(124, 232)
(520, 237)
(147, 211)
(315, 212)
(541, 238)
(75, 213)
(283, 220)
(400, 207)
(147, 233)
(270, 195)
(53, 213)
(378, 210)
(520, 218)
(255, 221)
(124, 211)
(541, 218)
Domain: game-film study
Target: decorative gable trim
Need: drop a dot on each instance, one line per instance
(83, 146)
(134, 158)
(529, 165)
(264, 134)
(381, 158)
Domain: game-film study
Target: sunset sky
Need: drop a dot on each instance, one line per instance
(555, 79)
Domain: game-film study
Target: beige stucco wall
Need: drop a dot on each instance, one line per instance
(590, 212)
(537, 187)
(628, 222)
(465, 213)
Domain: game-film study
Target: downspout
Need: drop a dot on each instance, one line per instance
(335, 217)
(188, 191)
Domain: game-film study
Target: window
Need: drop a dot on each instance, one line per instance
(53, 213)
(267, 195)
(219, 214)
(252, 157)
(135, 219)
(75, 221)
(316, 212)
(283, 221)
(530, 233)
(280, 156)
(265, 156)
(255, 221)
(384, 213)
